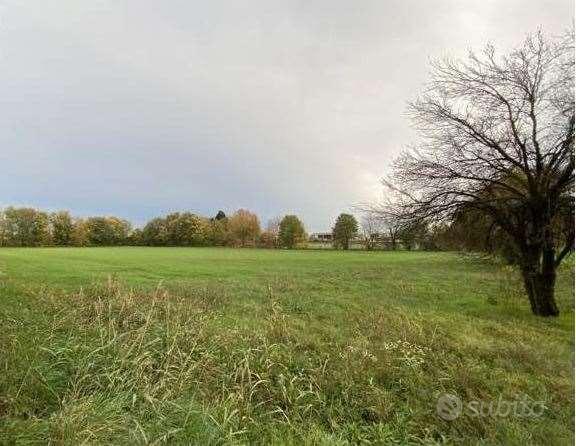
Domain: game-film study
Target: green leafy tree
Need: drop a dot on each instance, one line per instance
(4, 236)
(62, 227)
(107, 231)
(41, 229)
(155, 232)
(135, 237)
(344, 231)
(177, 229)
(79, 235)
(291, 232)
(186, 229)
(25, 227)
(218, 234)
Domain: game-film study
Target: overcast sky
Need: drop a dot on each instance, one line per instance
(139, 107)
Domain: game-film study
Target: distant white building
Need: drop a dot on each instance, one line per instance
(323, 237)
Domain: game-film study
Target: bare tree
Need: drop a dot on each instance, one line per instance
(389, 217)
(273, 226)
(498, 138)
(392, 227)
(371, 228)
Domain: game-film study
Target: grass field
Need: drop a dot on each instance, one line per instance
(220, 346)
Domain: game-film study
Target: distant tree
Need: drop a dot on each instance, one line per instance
(80, 232)
(25, 227)
(273, 225)
(4, 235)
(122, 230)
(41, 229)
(62, 227)
(107, 231)
(291, 232)
(344, 231)
(410, 235)
(244, 228)
(393, 229)
(217, 230)
(269, 238)
(371, 227)
(186, 229)
(155, 232)
(135, 237)
(18, 226)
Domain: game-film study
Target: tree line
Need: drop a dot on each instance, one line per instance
(26, 227)
(29, 227)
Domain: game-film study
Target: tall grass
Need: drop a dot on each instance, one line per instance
(114, 365)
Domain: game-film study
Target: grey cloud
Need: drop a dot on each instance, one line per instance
(140, 107)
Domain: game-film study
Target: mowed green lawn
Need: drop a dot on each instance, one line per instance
(215, 345)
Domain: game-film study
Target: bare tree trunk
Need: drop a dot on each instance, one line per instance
(539, 274)
(392, 239)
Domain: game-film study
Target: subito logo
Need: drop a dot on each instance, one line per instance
(448, 407)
